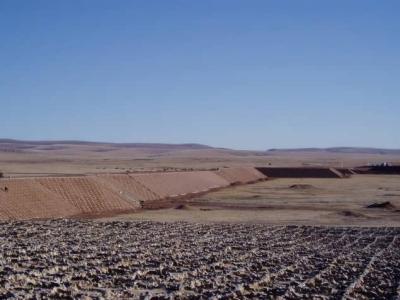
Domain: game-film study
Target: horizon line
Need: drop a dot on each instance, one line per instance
(81, 141)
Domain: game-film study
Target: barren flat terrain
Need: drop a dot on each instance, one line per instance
(74, 259)
(27, 158)
(287, 238)
(305, 201)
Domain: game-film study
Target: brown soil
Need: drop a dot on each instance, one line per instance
(176, 184)
(27, 198)
(87, 195)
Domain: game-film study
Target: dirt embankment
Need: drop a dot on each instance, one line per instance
(241, 175)
(27, 198)
(57, 197)
(175, 184)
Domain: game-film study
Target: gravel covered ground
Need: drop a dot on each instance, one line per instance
(74, 259)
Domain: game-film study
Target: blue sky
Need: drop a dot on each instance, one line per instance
(241, 74)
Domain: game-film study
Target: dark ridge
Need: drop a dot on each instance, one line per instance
(388, 170)
(386, 204)
(297, 172)
(344, 150)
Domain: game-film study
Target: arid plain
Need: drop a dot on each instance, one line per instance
(19, 158)
(300, 201)
(282, 238)
(309, 201)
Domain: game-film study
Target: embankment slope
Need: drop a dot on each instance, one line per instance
(77, 196)
(241, 175)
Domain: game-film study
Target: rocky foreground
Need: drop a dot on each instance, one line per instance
(146, 260)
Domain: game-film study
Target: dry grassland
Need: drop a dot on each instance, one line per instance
(293, 201)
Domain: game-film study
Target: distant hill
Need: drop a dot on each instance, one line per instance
(341, 150)
(20, 144)
(11, 145)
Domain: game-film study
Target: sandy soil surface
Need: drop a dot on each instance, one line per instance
(149, 260)
(292, 201)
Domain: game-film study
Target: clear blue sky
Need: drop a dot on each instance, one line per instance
(242, 74)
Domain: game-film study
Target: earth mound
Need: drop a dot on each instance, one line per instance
(385, 204)
(301, 187)
(352, 214)
(182, 207)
